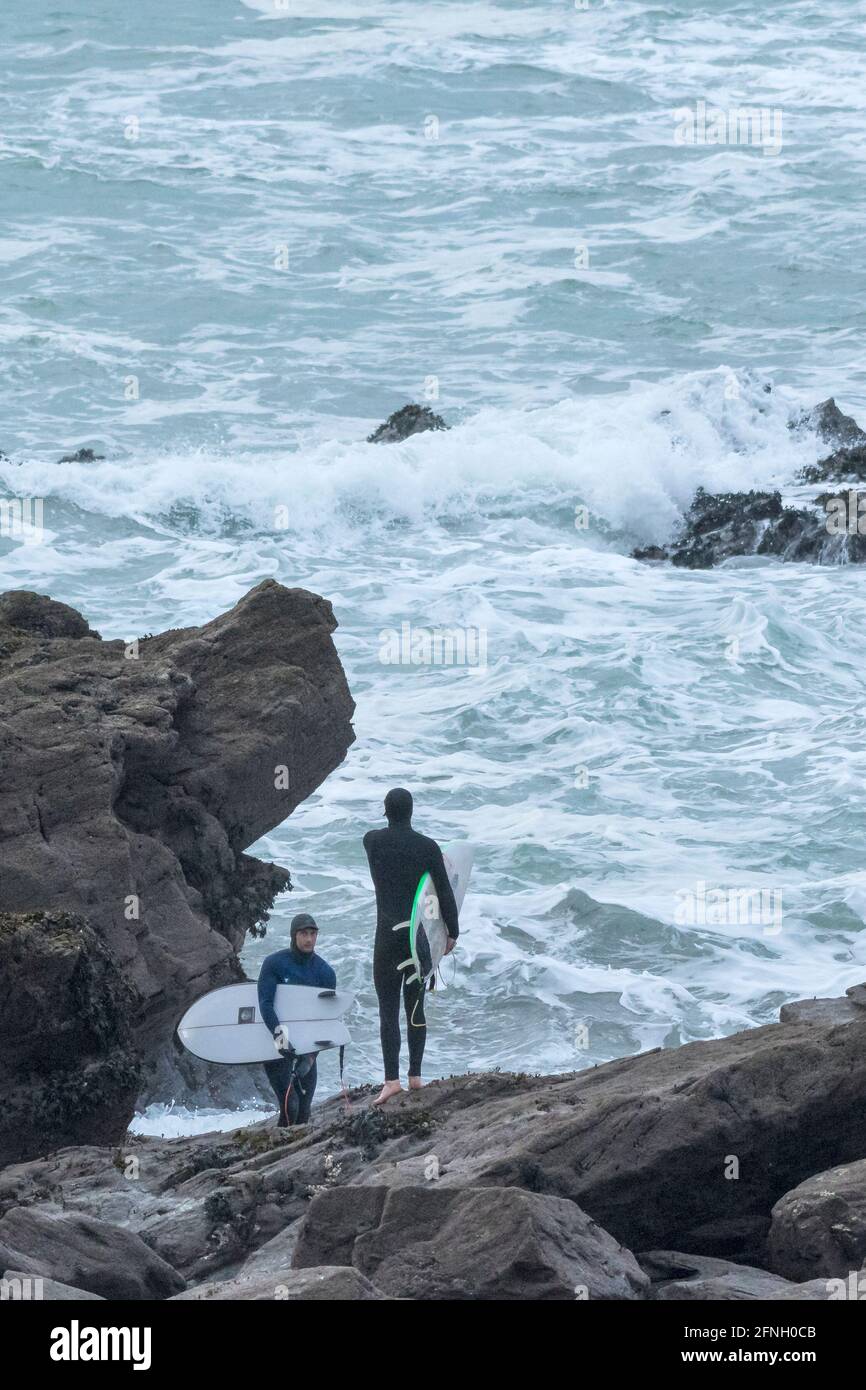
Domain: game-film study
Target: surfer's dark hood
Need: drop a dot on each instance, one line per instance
(399, 806)
(302, 922)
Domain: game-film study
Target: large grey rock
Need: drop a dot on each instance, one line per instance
(647, 1145)
(135, 777)
(819, 1228)
(85, 1253)
(435, 1243)
(677, 1277)
(823, 1011)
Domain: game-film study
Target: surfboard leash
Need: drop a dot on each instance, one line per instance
(419, 1000)
(286, 1099)
(343, 1087)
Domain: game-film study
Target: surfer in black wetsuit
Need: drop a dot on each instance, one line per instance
(399, 857)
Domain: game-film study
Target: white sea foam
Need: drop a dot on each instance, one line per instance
(174, 1121)
(635, 461)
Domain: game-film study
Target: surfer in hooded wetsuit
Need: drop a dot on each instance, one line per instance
(293, 1078)
(399, 857)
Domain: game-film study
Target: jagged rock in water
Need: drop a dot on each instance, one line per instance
(830, 424)
(848, 459)
(722, 526)
(651, 553)
(841, 466)
(82, 456)
(412, 419)
(135, 776)
(730, 525)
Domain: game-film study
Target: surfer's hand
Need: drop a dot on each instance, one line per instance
(450, 943)
(281, 1039)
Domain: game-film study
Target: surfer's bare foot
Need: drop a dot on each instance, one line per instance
(391, 1088)
(415, 1083)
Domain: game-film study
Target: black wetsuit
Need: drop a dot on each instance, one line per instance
(399, 857)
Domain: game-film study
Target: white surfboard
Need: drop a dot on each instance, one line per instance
(427, 932)
(226, 1025)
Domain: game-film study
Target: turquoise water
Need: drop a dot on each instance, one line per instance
(237, 237)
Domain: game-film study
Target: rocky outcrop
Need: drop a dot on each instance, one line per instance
(830, 424)
(412, 419)
(25, 616)
(820, 1226)
(68, 1068)
(499, 1186)
(82, 456)
(720, 527)
(686, 1148)
(848, 459)
(843, 465)
(828, 1012)
(135, 776)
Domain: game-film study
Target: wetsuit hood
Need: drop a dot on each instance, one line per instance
(399, 806)
(302, 922)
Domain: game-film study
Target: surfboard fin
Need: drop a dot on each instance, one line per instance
(404, 964)
(400, 926)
